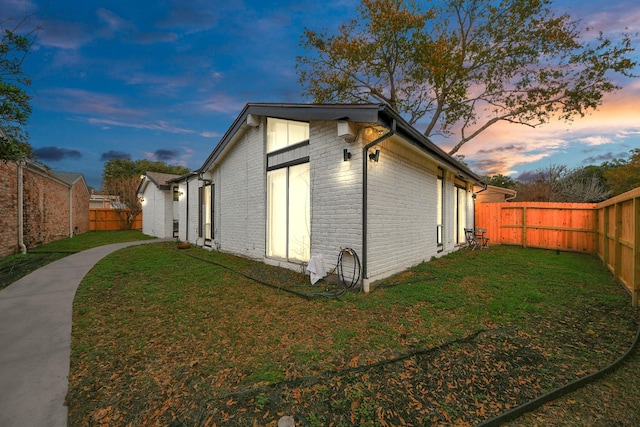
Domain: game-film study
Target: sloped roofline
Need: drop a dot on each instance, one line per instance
(380, 114)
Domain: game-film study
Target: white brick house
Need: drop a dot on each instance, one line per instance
(160, 204)
(291, 181)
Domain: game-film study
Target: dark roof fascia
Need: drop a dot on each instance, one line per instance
(380, 114)
(182, 178)
(417, 138)
(362, 113)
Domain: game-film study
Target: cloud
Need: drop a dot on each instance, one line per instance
(511, 148)
(64, 35)
(55, 154)
(114, 155)
(209, 134)
(159, 126)
(194, 15)
(165, 155)
(596, 140)
(606, 157)
(85, 103)
(528, 176)
(115, 26)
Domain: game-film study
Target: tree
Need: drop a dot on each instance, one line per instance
(557, 183)
(500, 180)
(624, 175)
(464, 65)
(121, 178)
(118, 168)
(14, 101)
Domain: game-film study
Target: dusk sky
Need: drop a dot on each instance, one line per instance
(165, 79)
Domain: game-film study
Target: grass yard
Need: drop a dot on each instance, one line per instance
(19, 265)
(161, 338)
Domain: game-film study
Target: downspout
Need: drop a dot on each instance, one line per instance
(70, 210)
(365, 159)
(23, 248)
(186, 222)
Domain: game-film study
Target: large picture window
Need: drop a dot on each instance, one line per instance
(288, 213)
(288, 190)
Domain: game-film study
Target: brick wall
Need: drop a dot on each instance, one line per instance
(8, 208)
(239, 216)
(80, 207)
(46, 207)
(336, 193)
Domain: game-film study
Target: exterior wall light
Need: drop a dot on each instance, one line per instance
(346, 155)
(375, 156)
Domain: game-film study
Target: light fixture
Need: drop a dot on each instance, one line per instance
(375, 156)
(346, 155)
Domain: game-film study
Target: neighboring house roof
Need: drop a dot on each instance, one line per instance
(72, 178)
(493, 193)
(182, 178)
(379, 114)
(160, 180)
(69, 177)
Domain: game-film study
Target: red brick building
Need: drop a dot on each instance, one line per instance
(38, 206)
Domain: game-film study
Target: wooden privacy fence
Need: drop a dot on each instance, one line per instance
(563, 226)
(610, 229)
(103, 219)
(618, 240)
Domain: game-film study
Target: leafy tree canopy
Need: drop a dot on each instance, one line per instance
(14, 101)
(557, 183)
(121, 177)
(127, 168)
(624, 175)
(500, 180)
(462, 66)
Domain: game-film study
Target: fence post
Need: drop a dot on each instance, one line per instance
(635, 281)
(524, 226)
(617, 246)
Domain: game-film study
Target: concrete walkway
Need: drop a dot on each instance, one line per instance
(35, 339)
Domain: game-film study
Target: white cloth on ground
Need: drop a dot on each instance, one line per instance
(316, 268)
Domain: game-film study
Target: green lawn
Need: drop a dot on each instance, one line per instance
(161, 338)
(19, 265)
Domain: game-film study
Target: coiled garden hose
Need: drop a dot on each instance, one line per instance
(534, 404)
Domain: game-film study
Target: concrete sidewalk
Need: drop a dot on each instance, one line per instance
(35, 339)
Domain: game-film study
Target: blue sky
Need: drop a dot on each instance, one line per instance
(164, 80)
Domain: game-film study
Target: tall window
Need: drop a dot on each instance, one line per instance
(440, 209)
(460, 213)
(205, 213)
(288, 190)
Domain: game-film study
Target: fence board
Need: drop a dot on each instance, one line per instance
(104, 219)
